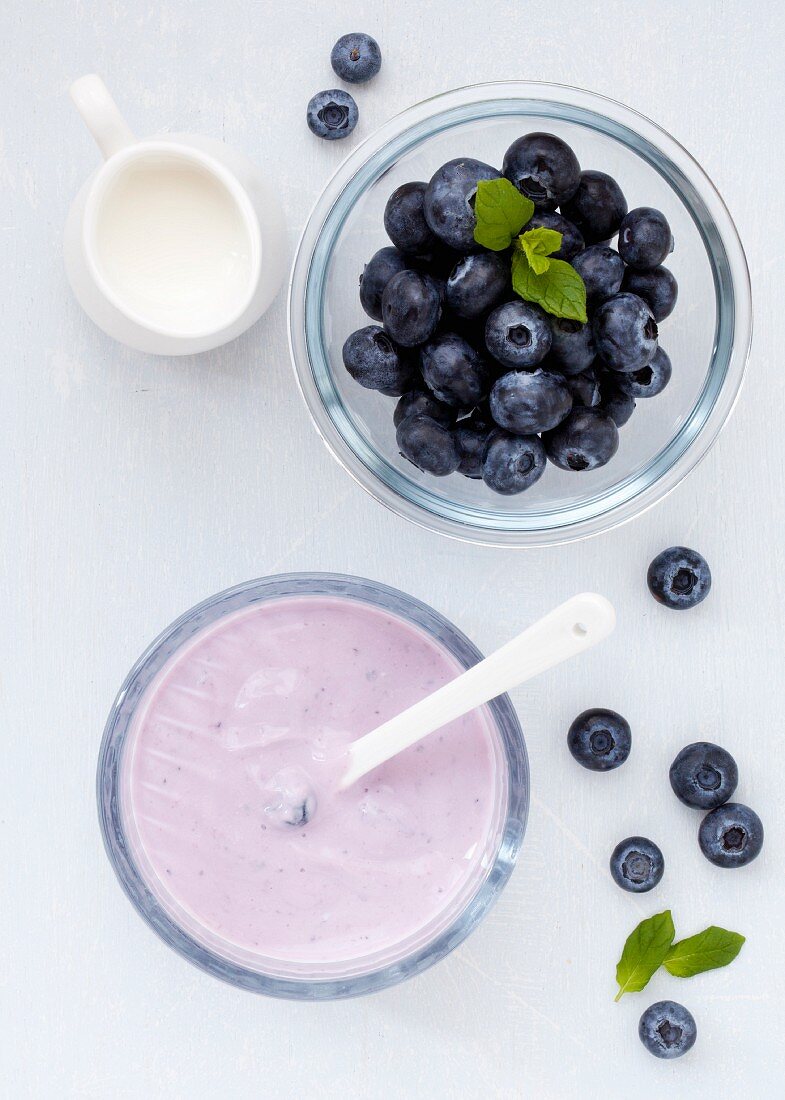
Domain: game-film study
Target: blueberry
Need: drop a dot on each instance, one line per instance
(704, 775)
(405, 222)
(512, 463)
(649, 380)
(518, 334)
(454, 371)
(544, 168)
(602, 271)
(625, 333)
(645, 238)
(731, 835)
(572, 345)
(571, 240)
(679, 578)
(637, 864)
(530, 402)
(376, 275)
(449, 201)
(471, 442)
(356, 57)
(411, 308)
(417, 402)
(428, 445)
(600, 739)
(618, 405)
(587, 439)
(476, 284)
(597, 207)
(332, 115)
(657, 287)
(585, 388)
(667, 1029)
(373, 360)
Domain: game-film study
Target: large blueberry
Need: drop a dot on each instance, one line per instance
(376, 275)
(544, 168)
(704, 775)
(587, 439)
(572, 345)
(476, 284)
(415, 402)
(449, 201)
(572, 241)
(454, 371)
(373, 360)
(405, 221)
(637, 864)
(625, 333)
(602, 271)
(411, 308)
(356, 58)
(518, 334)
(600, 739)
(657, 287)
(428, 445)
(332, 115)
(645, 238)
(679, 578)
(512, 463)
(667, 1029)
(530, 402)
(649, 380)
(597, 207)
(731, 835)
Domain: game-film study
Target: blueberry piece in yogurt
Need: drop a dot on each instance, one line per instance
(290, 797)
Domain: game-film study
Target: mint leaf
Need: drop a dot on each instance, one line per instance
(501, 212)
(559, 289)
(541, 241)
(644, 952)
(708, 950)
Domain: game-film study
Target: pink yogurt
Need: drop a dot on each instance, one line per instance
(283, 687)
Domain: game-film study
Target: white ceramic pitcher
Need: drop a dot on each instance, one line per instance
(213, 303)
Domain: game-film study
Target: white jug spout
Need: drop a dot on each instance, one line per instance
(99, 111)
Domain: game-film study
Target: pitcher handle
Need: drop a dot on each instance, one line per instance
(99, 111)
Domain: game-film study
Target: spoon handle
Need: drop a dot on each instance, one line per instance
(570, 629)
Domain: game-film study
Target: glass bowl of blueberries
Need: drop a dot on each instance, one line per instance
(519, 314)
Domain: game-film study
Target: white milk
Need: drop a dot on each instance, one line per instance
(173, 245)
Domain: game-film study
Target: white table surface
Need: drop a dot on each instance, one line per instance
(132, 487)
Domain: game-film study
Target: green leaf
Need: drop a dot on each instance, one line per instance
(540, 241)
(644, 952)
(559, 290)
(708, 950)
(501, 212)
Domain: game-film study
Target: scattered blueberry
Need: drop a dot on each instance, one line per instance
(471, 442)
(376, 275)
(512, 463)
(586, 388)
(625, 333)
(518, 334)
(405, 222)
(332, 114)
(637, 864)
(667, 1029)
(657, 287)
(572, 241)
(600, 739)
(356, 58)
(530, 402)
(597, 207)
(731, 835)
(449, 201)
(704, 775)
(411, 308)
(373, 360)
(602, 271)
(649, 380)
(544, 168)
(618, 405)
(454, 371)
(645, 238)
(476, 284)
(587, 439)
(428, 445)
(572, 346)
(417, 402)
(679, 578)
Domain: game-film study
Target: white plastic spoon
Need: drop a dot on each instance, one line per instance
(568, 630)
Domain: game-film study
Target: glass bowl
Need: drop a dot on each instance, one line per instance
(206, 950)
(707, 336)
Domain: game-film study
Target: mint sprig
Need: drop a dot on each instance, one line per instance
(552, 284)
(644, 952)
(708, 950)
(538, 244)
(501, 212)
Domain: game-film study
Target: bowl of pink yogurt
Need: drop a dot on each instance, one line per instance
(265, 685)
